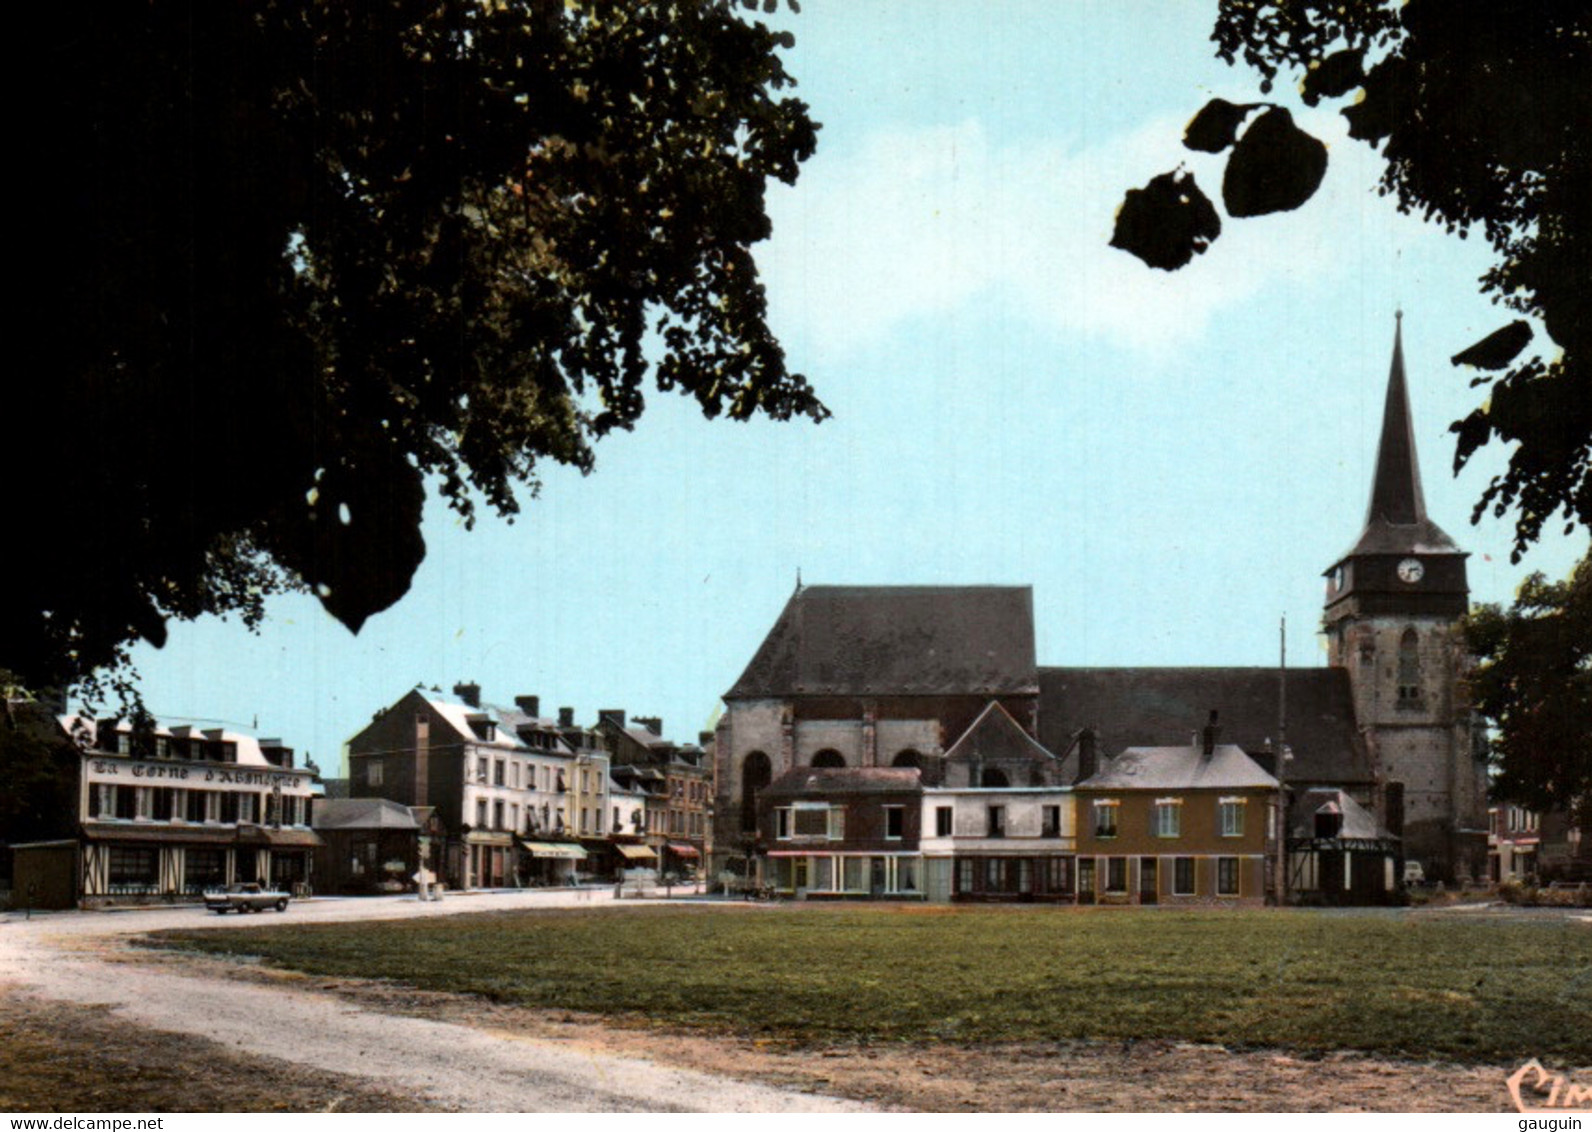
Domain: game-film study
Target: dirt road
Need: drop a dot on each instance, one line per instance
(80, 958)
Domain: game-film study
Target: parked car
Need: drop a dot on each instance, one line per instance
(246, 897)
(1413, 873)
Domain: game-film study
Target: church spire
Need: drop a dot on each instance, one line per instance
(1396, 491)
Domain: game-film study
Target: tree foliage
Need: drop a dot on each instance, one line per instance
(293, 259)
(1533, 683)
(1481, 110)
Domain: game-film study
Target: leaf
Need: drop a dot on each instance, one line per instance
(1337, 74)
(1215, 127)
(1275, 167)
(1167, 222)
(1498, 349)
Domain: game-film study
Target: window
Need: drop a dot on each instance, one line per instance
(126, 802)
(964, 875)
(1409, 667)
(1227, 876)
(994, 874)
(1105, 815)
(1167, 818)
(828, 757)
(373, 768)
(782, 824)
(229, 807)
(202, 868)
(1050, 823)
(756, 773)
(497, 814)
(1117, 874)
(1183, 876)
(480, 770)
(497, 772)
(107, 800)
(997, 821)
(480, 813)
(895, 821)
(993, 777)
(942, 821)
(1231, 813)
(132, 866)
(197, 809)
(907, 758)
(907, 874)
(1056, 875)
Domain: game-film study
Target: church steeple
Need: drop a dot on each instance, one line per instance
(1396, 491)
(1395, 520)
(1402, 563)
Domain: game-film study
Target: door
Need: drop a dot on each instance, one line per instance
(799, 872)
(1086, 880)
(1147, 880)
(876, 877)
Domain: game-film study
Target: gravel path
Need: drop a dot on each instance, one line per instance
(76, 957)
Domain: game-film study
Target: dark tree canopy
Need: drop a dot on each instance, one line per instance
(295, 258)
(1533, 683)
(1481, 110)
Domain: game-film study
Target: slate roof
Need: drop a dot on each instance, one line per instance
(896, 640)
(1359, 824)
(362, 813)
(812, 781)
(1180, 768)
(1163, 706)
(1396, 521)
(996, 736)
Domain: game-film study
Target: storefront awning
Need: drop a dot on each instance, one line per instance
(680, 849)
(636, 853)
(558, 852)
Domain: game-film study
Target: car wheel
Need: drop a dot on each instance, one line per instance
(281, 905)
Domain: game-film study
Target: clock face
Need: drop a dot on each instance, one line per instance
(1411, 570)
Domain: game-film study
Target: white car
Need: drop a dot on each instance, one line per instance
(242, 898)
(1413, 873)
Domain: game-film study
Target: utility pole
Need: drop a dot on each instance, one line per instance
(1282, 761)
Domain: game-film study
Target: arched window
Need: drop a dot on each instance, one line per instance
(908, 757)
(1409, 666)
(829, 757)
(993, 776)
(756, 773)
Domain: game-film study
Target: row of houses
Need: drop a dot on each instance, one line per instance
(442, 787)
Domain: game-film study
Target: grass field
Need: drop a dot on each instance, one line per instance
(1459, 987)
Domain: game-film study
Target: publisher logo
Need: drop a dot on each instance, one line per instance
(1535, 1090)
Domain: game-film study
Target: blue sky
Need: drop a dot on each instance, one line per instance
(1171, 460)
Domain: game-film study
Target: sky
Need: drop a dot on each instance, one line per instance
(1171, 460)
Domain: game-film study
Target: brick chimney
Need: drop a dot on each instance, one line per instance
(530, 705)
(469, 693)
(1213, 731)
(614, 713)
(566, 717)
(1088, 753)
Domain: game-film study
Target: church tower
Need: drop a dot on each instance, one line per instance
(1393, 610)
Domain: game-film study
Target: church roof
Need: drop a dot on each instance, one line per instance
(1396, 520)
(1161, 706)
(897, 640)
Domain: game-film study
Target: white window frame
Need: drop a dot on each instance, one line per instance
(1167, 817)
(900, 814)
(1231, 808)
(1102, 806)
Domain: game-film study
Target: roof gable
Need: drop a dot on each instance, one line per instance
(996, 736)
(896, 640)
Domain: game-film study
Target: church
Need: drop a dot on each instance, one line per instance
(869, 714)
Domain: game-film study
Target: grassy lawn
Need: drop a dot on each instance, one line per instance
(1462, 988)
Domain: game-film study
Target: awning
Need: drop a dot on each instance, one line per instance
(559, 852)
(682, 850)
(636, 853)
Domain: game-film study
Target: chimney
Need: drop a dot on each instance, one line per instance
(469, 693)
(530, 705)
(566, 717)
(1088, 753)
(616, 714)
(652, 723)
(1213, 731)
(704, 739)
